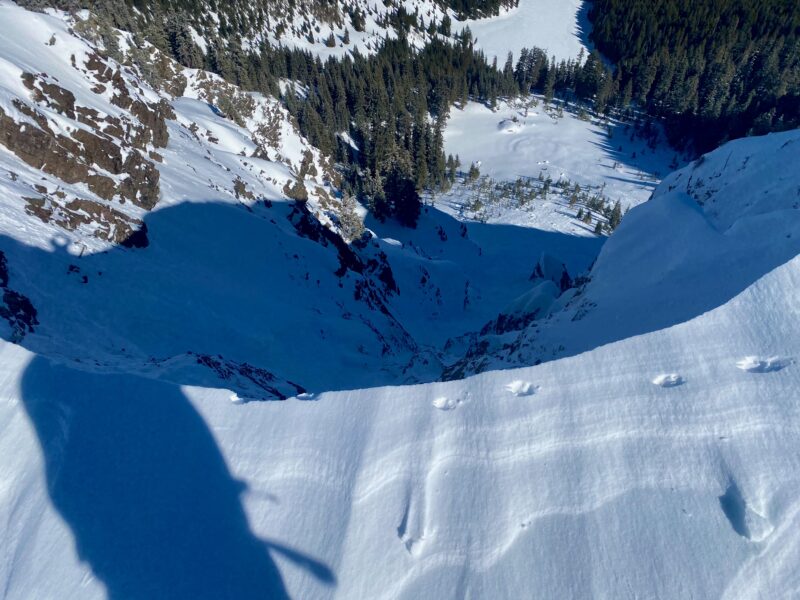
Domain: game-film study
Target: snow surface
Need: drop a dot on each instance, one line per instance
(710, 230)
(364, 42)
(561, 27)
(522, 140)
(601, 484)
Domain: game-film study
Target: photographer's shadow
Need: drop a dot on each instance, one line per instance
(136, 474)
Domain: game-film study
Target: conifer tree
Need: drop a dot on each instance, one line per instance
(615, 216)
(550, 82)
(402, 195)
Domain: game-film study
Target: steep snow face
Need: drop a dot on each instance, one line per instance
(597, 481)
(218, 278)
(194, 270)
(653, 454)
(710, 230)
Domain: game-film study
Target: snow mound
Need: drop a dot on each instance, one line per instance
(754, 364)
(667, 380)
(519, 387)
(445, 403)
(510, 126)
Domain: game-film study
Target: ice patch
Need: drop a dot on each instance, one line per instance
(667, 380)
(522, 388)
(754, 364)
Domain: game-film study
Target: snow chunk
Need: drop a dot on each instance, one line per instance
(666, 380)
(519, 387)
(445, 403)
(754, 364)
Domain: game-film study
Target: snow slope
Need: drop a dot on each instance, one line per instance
(599, 483)
(521, 140)
(561, 27)
(364, 42)
(221, 238)
(663, 464)
(709, 231)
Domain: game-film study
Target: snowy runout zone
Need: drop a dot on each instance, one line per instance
(205, 393)
(559, 26)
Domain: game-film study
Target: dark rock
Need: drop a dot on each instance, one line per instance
(110, 225)
(17, 310)
(249, 376)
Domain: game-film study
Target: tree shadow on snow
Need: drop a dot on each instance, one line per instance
(583, 25)
(136, 474)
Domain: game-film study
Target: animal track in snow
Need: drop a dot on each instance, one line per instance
(522, 388)
(755, 364)
(667, 380)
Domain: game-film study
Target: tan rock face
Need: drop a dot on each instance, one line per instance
(41, 148)
(113, 145)
(73, 161)
(50, 94)
(153, 118)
